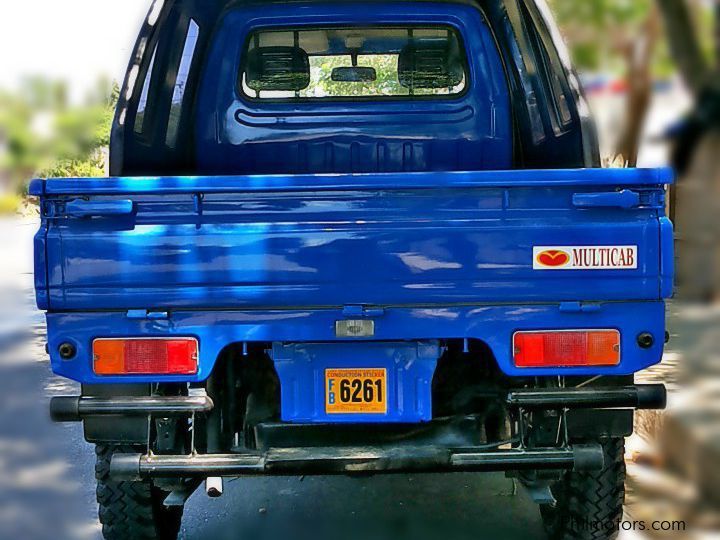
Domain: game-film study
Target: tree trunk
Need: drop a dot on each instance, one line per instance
(717, 37)
(684, 43)
(697, 205)
(639, 55)
(695, 198)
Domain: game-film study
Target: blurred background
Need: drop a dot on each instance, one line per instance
(651, 70)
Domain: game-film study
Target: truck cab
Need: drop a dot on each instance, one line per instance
(351, 238)
(516, 102)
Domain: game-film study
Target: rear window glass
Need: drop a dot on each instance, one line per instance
(353, 63)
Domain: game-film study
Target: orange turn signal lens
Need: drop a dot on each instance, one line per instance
(176, 356)
(566, 348)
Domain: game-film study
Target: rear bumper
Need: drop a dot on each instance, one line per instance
(447, 445)
(76, 408)
(363, 460)
(638, 396)
(492, 324)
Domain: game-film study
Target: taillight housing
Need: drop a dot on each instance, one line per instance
(566, 348)
(143, 356)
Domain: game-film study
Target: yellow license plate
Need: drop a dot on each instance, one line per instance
(356, 391)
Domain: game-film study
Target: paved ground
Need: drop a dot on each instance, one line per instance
(47, 488)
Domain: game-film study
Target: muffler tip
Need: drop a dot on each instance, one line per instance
(65, 409)
(588, 457)
(125, 467)
(214, 486)
(651, 396)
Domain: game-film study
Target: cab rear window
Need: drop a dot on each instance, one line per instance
(327, 63)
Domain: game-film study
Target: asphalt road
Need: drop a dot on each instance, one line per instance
(46, 471)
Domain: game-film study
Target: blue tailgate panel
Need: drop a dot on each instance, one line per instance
(381, 239)
(282, 258)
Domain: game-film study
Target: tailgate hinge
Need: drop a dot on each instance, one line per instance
(146, 314)
(358, 310)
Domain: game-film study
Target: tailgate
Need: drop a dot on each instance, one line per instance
(379, 239)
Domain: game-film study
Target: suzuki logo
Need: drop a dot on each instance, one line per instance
(553, 258)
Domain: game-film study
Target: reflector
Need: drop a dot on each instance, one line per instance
(566, 348)
(175, 356)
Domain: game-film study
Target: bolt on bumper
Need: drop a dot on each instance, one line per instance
(360, 460)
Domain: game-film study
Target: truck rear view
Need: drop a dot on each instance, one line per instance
(341, 240)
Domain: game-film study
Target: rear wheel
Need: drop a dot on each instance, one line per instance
(589, 504)
(132, 510)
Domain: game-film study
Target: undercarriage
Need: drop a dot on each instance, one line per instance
(482, 421)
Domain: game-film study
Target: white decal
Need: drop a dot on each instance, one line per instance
(585, 258)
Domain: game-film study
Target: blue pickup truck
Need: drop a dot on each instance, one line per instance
(354, 238)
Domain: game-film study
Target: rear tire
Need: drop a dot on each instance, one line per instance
(589, 504)
(132, 510)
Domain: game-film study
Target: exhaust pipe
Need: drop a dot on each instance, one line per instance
(214, 486)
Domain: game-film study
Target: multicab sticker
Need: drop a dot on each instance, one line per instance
(585, 258)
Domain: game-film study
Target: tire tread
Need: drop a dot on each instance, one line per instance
(587, 498)
(131, 510)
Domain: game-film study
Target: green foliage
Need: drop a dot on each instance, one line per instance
(82, 130)
(21, 149)
(41, 134)
(93, 166)
(708, 21)
(42, 95)
(386, 83)
(599, 31)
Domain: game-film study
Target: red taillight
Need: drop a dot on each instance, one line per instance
(569, 348)
(176, 356)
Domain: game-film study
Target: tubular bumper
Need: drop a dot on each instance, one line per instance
(639, 396)
(75, 408)
(290, 461)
